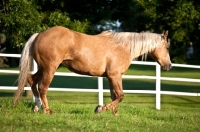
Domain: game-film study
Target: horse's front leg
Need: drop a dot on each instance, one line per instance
(113, 97)
(117, 95)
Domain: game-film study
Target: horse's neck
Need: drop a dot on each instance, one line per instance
(136, 52)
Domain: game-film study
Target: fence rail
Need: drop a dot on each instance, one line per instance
(100, 89)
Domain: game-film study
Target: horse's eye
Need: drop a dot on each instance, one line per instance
(167, 48)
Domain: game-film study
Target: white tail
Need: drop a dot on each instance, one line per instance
(25, 67)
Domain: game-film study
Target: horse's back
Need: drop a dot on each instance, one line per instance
(63, 37)
(64, 42)
(81, 53)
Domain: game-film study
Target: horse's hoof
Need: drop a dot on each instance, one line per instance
(51, 112)
(115, 111)
(48, 111)
(116, 114)
(98, 109)
(36, 109)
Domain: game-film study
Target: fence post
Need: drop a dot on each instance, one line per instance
(158, 83)
(100, 88)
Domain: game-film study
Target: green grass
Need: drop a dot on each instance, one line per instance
(74, 111)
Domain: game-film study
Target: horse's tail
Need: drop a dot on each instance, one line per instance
(25, 67)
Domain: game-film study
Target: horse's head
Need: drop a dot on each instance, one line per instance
(161, 53)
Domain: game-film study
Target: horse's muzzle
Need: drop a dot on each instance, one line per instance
(167, 67)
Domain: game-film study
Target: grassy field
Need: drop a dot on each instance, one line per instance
(74, 111)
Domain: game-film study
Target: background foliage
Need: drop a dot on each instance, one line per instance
(21, 18)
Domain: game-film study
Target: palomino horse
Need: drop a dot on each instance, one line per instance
(107, 55)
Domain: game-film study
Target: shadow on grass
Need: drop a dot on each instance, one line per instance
(29, 104)
(187, 100)
(8, 79)
(6, 94)
(180, 86)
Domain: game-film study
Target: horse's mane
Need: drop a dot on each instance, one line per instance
(138, 43)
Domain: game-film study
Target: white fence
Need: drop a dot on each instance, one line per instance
(100, 89)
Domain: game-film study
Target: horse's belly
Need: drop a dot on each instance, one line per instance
(85, 68)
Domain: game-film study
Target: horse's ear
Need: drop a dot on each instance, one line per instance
(165, 34)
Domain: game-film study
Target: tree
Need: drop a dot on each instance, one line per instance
(183, 25)
(180, 17)
(19, 19)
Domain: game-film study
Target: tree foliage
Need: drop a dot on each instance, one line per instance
(180, 17)
(21, 18)
(18, 20)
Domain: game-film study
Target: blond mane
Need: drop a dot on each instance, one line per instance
(138, 43)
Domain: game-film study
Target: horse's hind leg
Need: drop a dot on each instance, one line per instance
(33, 81)
(43, 88)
